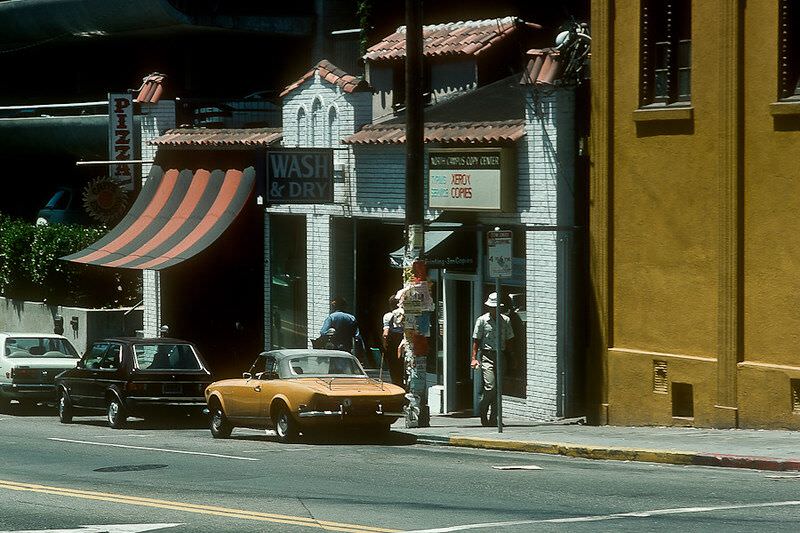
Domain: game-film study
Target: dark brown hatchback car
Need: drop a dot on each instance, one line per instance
(131, 376)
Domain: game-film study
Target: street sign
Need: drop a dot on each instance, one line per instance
(500, 254)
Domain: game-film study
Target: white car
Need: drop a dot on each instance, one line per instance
(28, 364)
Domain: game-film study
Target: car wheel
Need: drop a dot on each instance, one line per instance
(285, 425)
(116, 413)
(220, 426)
(64, 407)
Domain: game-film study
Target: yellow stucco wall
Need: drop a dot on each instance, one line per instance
(664, 211)
(664, 240)
(653, 407)
(772, 203)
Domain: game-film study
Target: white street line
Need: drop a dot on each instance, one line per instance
(518, 467)
(153, 449)
(127, 436)
(616, 516)
(109, 528)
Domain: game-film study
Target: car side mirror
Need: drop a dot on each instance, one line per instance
(80, 364)
(247, 375)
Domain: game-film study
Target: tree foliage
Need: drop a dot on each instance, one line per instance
(30, 268)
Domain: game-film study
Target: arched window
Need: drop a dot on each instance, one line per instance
(333, 127)
(302, 127)
(316, 123)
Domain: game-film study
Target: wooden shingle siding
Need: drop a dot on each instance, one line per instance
(380, 180)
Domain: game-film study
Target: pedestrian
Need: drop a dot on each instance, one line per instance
(392, 336)
(484, 341)
(345, 327)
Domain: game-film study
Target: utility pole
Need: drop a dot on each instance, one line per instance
(416, 301)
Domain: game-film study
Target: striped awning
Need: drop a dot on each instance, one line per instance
(178, 214)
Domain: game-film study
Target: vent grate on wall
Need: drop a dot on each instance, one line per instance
(660, 383)
(795, 395)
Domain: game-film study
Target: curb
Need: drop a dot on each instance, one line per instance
(617, 453)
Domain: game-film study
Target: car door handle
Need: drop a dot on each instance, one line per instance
(257, 388)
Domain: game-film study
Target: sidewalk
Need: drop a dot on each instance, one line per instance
(738, 448)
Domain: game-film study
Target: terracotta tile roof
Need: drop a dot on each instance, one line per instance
(443, 132)
(151, 89)
(219, 137)
(544, 67)
(471, 37)
(332, 74)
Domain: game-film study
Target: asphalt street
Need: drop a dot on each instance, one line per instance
(175, 478)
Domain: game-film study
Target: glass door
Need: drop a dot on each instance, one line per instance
(458, 322)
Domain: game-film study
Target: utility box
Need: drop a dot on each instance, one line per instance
(436, 399)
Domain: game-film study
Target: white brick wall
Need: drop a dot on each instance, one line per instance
(151, 295)
(155, 120)
(318, 244)
(545, 193)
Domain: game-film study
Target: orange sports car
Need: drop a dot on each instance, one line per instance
(299, 391)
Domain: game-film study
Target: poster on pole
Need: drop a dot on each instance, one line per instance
(500, 254)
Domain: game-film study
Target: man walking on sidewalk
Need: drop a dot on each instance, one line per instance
(484, 340)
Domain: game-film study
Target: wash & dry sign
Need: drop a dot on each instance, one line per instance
(300, 176)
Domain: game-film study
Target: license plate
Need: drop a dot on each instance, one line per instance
(172, 388)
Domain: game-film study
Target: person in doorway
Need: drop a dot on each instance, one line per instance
(484, 342)
(392, 336)
(346, 335)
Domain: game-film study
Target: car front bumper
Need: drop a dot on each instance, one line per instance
(344, 414)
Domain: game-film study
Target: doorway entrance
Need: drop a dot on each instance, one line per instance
(459, 316)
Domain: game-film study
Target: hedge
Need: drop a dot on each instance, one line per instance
(30, 269)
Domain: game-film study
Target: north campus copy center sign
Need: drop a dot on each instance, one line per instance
(300, 176)
(469, 180)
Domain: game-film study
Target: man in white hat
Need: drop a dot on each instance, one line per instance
(484, 340)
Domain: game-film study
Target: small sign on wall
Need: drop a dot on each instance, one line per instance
(469, 180)
(300, 176)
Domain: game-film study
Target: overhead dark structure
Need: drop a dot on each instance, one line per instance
(177, 215)
(453, 249)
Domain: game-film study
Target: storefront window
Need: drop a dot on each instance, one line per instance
(515, 364)
(512, 293)
(289, 324)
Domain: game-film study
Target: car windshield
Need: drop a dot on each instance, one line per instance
(59, 201)
(166, 357)
(42, 347)
(324, 365)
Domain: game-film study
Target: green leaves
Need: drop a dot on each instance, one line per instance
(30, 268)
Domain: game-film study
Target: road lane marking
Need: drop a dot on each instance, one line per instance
(193, 508)
(147, 448)
(127, 436)
(615, 516)
(518, 467)
(105, 528)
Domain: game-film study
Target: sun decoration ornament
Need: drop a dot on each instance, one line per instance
(105, 200)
